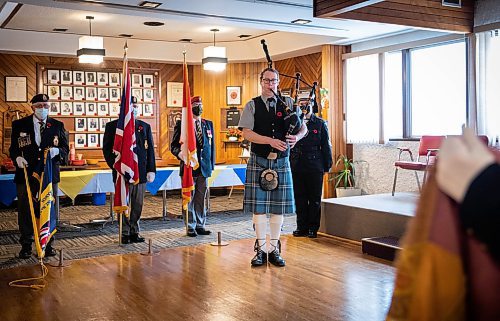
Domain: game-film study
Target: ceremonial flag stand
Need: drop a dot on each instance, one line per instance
(42, 225)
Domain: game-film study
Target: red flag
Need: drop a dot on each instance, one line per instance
(188, 143)
(126, 164)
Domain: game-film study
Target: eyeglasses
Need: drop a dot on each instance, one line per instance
(270, 81)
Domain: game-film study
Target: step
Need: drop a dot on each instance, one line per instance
(385, 247)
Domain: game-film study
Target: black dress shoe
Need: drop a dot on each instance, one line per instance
(136, 238)
(298, 233)
(25, 253)
(260, 257)
(125, 239)
(202, 231)
(275, 258)
(49, 251)
(312, 234)
(192, 233)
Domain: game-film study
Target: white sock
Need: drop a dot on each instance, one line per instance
(260, 225)
(275, 223)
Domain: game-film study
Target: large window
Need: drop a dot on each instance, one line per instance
(406, 93)
(438, 89)
(362, 104)
(488, 53)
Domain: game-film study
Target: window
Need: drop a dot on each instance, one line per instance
(438, 89)
(362, 99)
(488, 84)
(393, 95)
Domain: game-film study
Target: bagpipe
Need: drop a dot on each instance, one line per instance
(293, 122)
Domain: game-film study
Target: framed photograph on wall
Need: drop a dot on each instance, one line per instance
(136, 80)
(90, 94)
(147, 110)
(102, 78)
(79, 93)
(148, 95)
(80, 124)
(102, 124)
(53, 77)
(93, 140)
(66, 77)
(114, 79)
(103, 94)
(102, 109)
(139, 109)
(16, 89)
(90, 78)
(67, 93)
(138, 94)
(233, 95)
(174, 94)
(54, 92)
(114, 109)
(78, 77)
(92, 124)
(114, 94)
(80, 140)
(55, 108)
(147, 81)
(90, 109)
(78, 108)
(67, 108)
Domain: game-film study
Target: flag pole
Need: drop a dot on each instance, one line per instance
(121, 213)
(186, 212)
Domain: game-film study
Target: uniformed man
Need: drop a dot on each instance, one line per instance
(205, 148)
(31, 136)
(147, 171)
(310, 159)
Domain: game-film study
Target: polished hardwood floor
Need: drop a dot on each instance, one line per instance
(324, 279)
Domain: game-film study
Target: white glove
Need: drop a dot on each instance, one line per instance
(150, 177)
(54, 151)
(460, 160)
(21, 162)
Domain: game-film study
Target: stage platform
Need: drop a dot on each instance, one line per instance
(376, 215)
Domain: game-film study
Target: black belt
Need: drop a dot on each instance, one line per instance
(280, 155)
(308, 149)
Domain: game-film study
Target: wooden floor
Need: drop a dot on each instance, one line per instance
(324, 279)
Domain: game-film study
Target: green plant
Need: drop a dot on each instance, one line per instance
(345, 173)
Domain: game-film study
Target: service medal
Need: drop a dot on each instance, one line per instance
(56, 141)
(146, 145)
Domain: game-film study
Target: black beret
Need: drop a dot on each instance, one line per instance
(39, 98)
(134, 100)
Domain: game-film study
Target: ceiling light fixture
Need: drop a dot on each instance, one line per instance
(214, 58)
(301, 21)
(150, 4)
(91, 47)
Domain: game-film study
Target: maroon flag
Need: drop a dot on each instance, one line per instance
(126, 164)
(188, 143)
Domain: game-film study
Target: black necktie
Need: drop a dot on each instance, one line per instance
(272, 105)
(42, 127)
(199, 134)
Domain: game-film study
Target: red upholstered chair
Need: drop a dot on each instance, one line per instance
(428, 148)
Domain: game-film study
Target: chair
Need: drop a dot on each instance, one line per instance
(428, 148)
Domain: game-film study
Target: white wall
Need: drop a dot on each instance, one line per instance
(375, 172)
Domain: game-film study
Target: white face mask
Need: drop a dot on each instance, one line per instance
(41, 113)
(135, 112)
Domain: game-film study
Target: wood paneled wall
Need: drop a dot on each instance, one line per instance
(424, 13)
(211, 86)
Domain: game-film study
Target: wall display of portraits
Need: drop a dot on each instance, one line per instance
(86, 100)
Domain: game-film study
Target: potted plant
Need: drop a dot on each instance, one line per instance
(345, 184)
(233, 134)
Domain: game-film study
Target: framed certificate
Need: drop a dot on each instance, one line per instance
(174, 94)
(233, 95)
(16, 89)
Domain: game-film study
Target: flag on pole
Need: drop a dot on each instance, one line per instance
(188, 142)
(47, 221)
(126, 164)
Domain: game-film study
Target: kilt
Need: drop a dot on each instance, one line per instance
(278, 201)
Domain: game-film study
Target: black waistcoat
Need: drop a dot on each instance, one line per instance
(270, 125)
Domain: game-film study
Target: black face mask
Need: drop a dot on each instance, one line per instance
(197, 110)
(306, 109)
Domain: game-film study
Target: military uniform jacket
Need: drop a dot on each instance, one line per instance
(205, 153)
(23, 144)
(313, 153)
(144, 148)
